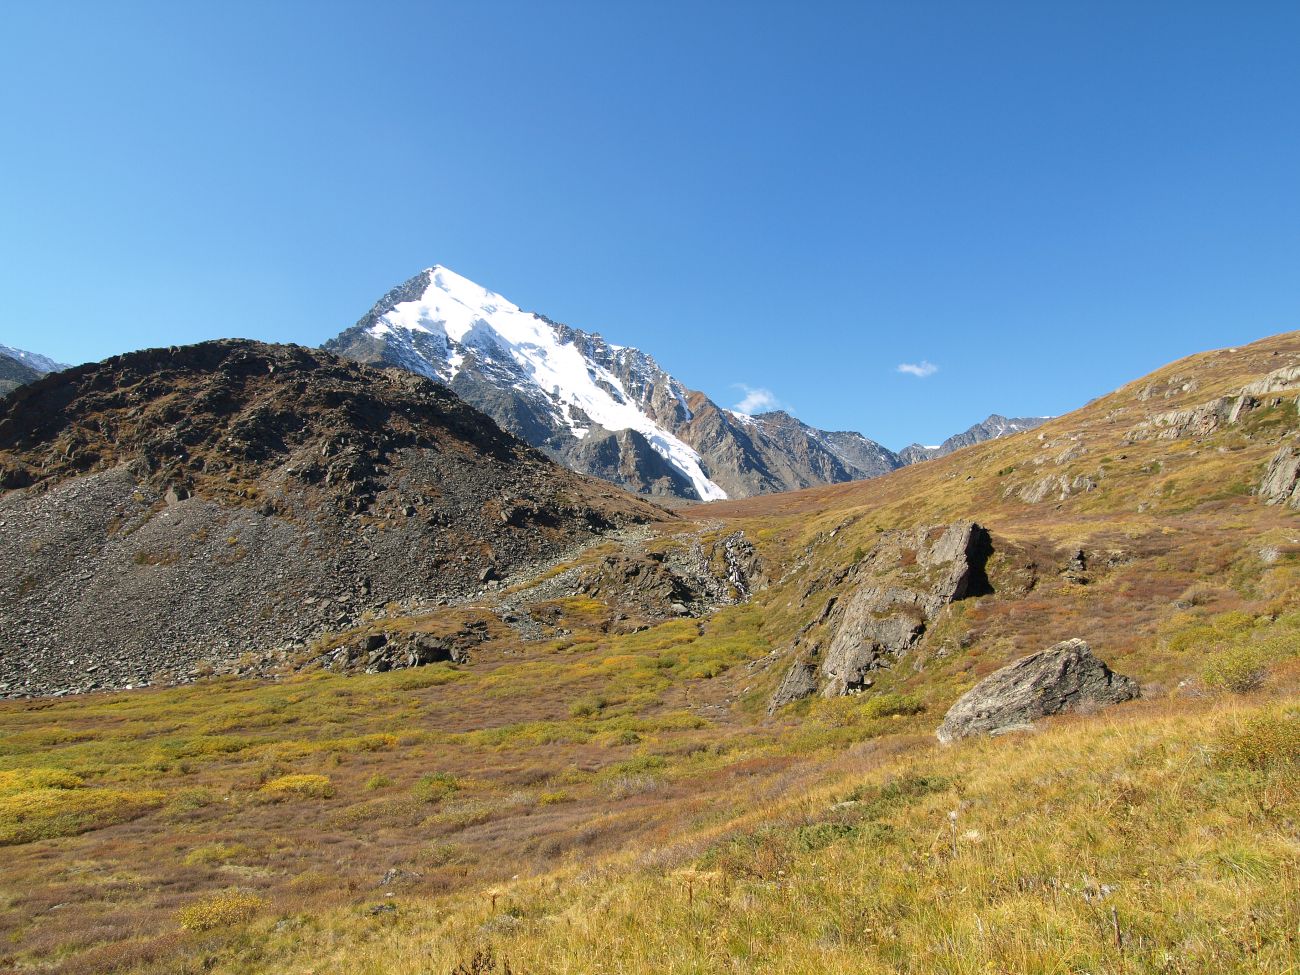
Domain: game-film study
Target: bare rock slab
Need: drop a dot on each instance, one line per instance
(1281, 483)
(1065, 677)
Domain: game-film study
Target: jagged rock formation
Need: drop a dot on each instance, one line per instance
(178, 505)
(377, 652)
(627, 458)
(800, 681)
(692, 581)
(990, 429)
(1064, 677)
(898, 589)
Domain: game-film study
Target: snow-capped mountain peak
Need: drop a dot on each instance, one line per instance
(445, 325)
(604, 409)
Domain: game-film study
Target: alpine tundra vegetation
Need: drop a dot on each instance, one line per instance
(499, 488)
(673, 742)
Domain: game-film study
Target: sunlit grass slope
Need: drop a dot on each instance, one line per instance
(1155, 839)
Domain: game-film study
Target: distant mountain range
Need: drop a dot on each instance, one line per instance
(992, 428)
(596, 407)
(17, 368)
(606, 409)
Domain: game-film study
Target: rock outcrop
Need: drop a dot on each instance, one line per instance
(898, 589)
(681, 581)
(884, 618)
(379, 651)
(1281, 483)
(800, 681)
(1065, 677)
(1223, 411)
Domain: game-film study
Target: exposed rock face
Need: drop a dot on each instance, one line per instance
(1210, 416)
(1281, 483)
(883, 619)
(199, 503)
(900, 587)
(680, 582)
(644, 578)
(1062, 678)
(800, 681)
(1056, 487)
(774, 451)
(1199, 421)
(627, 458)
(379, 652)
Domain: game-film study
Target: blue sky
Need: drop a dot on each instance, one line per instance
(1031, 202)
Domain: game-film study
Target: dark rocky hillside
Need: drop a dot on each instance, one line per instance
(173, 509)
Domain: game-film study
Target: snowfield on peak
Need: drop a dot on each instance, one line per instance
(460, 317)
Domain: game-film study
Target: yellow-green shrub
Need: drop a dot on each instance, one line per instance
(24, 780)
(306, 786)
(1265, 743)
(220, 909)
(43, 813)
(435, 787)
(213, 854)
(188, 800)
(586, 706)
(1235, 668)
(890, 703)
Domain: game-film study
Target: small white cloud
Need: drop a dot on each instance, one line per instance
(918, 369)
(757, 400)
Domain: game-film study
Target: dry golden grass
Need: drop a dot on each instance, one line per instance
(605, 801)
(1153, 839)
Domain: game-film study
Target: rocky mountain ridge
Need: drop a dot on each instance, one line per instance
(606, 409)
(992, 428)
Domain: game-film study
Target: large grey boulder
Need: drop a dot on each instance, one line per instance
(911, 577)
(799, 682)
(1281, 483)
(1065, 677)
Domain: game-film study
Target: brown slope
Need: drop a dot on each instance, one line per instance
(1126, 523)
(192, 503)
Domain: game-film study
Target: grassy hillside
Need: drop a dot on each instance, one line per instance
(1159, 840)
(608, 797)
